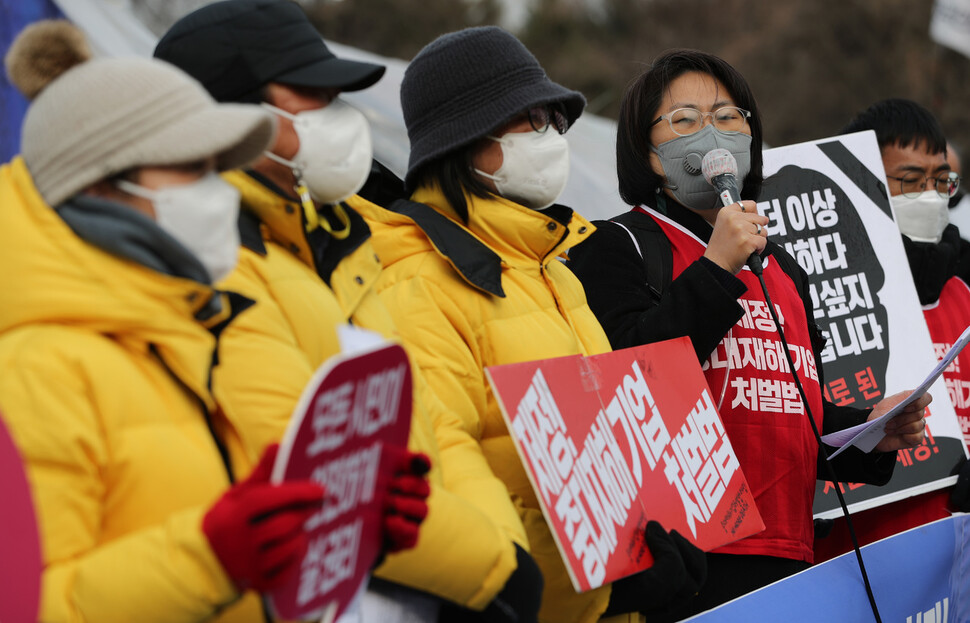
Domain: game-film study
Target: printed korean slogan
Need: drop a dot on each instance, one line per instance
(829, 207)
(612, 441)
(354, 409)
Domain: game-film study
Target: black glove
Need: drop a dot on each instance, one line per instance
(678, 572)
(518, 602)
(960, 495)
(823, 528)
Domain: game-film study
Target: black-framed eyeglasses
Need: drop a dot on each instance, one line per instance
(541, 117)
(686, 121)
(912, 184)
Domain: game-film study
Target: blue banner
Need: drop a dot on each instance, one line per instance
(919, 576)
(14, 15)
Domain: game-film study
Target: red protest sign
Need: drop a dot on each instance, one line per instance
(19, 541)
(352, 416)
(612, 441)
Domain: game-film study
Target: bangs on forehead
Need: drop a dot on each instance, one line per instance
(920, 142)
(668, 77)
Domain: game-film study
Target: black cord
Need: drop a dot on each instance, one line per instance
(828, 465)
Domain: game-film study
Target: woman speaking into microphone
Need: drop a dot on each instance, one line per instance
(674, 265)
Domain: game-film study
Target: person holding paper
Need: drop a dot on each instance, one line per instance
(471, 263)
(307, 261)
(920, 182)
(676, 265)
(114, 224)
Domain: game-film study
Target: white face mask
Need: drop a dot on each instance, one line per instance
(922, 218)
(535, 167)
(202, 215)
(335, 153)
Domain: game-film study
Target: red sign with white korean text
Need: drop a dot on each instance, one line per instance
(612, 441)
(355, 409)
(20, 569)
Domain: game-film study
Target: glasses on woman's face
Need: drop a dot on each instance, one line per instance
(541, 117)
(686, 121)
(913, 184)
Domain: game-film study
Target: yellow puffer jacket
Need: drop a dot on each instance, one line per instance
(267, 355)
(488, 293)
(103, 384)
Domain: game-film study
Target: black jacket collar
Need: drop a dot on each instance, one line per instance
(477, 264)
(693, 221)
(933, 265)
(327, 251)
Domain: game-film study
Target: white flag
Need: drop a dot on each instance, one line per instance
(950, 25)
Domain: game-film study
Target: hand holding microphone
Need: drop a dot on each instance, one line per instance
(740, 233)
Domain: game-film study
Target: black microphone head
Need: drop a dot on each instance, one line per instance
(718, 162)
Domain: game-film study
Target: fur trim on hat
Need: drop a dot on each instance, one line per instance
(42, 52)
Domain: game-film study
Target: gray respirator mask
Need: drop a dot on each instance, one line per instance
(681, 159)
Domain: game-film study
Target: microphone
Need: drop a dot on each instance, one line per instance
(720, 170)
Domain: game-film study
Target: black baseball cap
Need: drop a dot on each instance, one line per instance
(236, 47)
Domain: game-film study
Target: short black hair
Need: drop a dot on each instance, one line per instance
(640, 105)
(454, 172)
(900, 122)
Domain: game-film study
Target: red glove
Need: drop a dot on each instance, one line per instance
(256, 528)
(406, 505)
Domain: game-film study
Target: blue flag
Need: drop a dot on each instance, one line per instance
(14, 15)
(919, 576)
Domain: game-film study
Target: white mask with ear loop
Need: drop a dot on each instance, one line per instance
(202, 215)
(924, 217)
(335, 153)
(535, 167)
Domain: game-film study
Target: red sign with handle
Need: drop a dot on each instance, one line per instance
(352, 420)
(615, 440)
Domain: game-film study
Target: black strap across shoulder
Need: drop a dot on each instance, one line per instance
(654, 248)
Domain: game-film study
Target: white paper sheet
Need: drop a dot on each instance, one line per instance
(865, 436)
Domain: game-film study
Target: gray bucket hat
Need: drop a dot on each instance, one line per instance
(109, 115)
(465, 84)
(90, 119)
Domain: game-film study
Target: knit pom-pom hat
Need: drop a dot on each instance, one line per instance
(91, 119)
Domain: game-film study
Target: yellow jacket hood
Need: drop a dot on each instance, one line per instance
(52, 276)
(521, 238)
